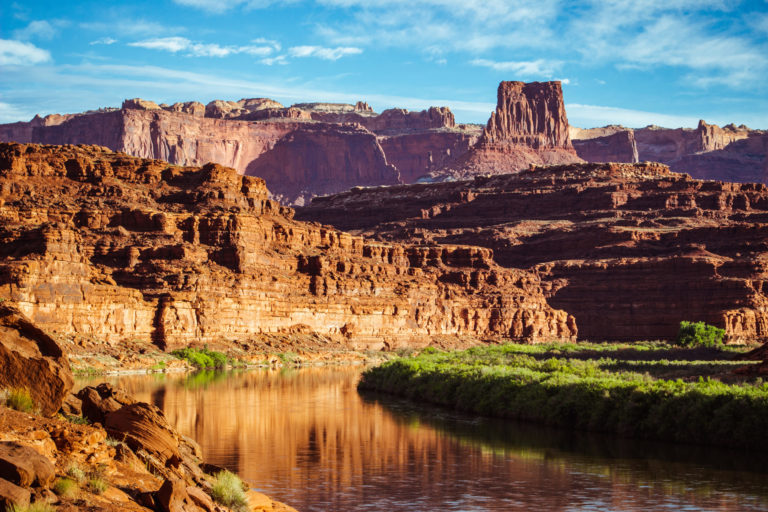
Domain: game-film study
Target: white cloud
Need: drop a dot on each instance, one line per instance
(322, 52)
(533, 68)
(182, 44)
(270, 61)
(18, 53)
(104, 40)
(168, 44)
(39, 29)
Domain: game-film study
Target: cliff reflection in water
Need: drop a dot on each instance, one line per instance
(309, 439)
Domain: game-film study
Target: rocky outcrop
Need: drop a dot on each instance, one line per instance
(100, 244)
(31, 360)
(628, 250)
(529, 127)
(616, 147)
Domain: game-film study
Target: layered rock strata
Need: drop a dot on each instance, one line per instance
(102, 244)
(628, 250)
(529, 127)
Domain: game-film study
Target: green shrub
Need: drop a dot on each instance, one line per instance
(693, 334)
(34, 507)
(202, 358)
(584, 394)
(97, 485)
(229, 491)
(65, 487)
(21, 400)
(76, 473)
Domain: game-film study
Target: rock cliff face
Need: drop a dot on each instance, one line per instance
(322, 159)
(731, 153)
(102, 244)
(628, 250)
(619, 146)
(529, 127)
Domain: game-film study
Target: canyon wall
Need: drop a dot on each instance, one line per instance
(113, 247)
(628, 250)
(731, 153)
(302, 151)
(528, 127)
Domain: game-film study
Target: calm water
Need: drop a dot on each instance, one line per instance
(309, 439)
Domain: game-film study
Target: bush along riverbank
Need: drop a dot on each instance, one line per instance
(606, 388)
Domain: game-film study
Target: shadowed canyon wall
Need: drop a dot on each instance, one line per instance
(628, 250)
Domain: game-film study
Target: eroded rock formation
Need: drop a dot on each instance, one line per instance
(605, 145)
(529, 127)
(628, 250)
(99, 243)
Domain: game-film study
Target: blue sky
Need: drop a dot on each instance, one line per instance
(634, 62)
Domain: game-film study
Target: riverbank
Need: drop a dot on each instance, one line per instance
(650, 390)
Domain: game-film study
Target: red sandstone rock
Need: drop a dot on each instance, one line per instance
(12, 495)
(23, 466)
(628, 250)
(30, 359)
(101, 244)
(173, 497)
(323, 159)
(416, 154)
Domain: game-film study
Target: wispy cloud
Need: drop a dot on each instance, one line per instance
(533, 68)
(18, 53)
(39, 29)
(131, 27)
(182, 44)
(104, 40)
(220, 6)
(323, 53)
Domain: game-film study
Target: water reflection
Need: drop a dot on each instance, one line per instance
(308, 438)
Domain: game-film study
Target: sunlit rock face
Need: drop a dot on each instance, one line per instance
(115, 247)
(629, 250)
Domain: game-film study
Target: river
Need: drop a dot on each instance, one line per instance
(308, 438)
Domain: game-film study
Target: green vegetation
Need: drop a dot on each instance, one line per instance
(693, 334)
(97, 485)
(229, 491)
(20, 399)
(65, 487)
(577, 386)
(202, 358)
(34, 507)
(159, 366)
(76, 473)
(289, 358)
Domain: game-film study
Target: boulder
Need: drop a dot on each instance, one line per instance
(144, 427)
(98, 401)
(30, 359)
(12, 495)
(23, 466)
(173, 496)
